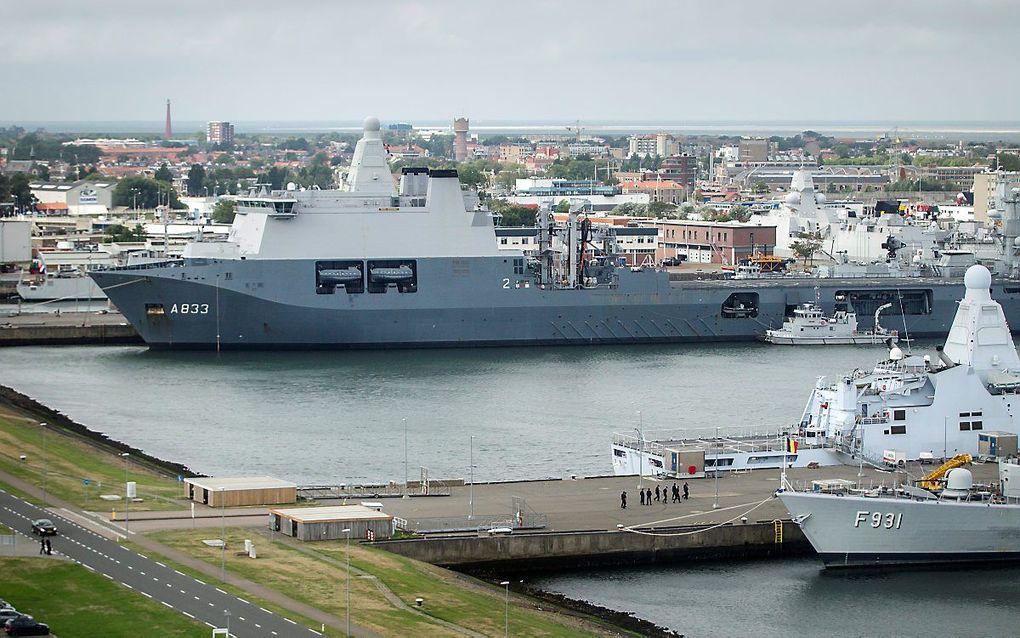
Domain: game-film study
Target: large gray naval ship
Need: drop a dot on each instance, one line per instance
(371, 266)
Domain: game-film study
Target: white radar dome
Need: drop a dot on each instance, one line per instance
(820, 198)
(977, 278)
(895, 354)
(372, 124)
(959, 479)
(793, 199)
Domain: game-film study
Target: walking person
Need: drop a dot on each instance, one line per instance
(49, 548)
(42, 545)
(686, 491)
(656, 493)
(648, 496)
(623, 500)
(641, 495)
(676, 493)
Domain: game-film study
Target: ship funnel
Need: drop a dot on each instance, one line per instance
(414, 181)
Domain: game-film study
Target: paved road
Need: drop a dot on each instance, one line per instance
(152, 579)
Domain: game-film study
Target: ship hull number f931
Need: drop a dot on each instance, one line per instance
(190, 309)
(887, 520)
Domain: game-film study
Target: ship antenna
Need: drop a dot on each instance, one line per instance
(903, 316)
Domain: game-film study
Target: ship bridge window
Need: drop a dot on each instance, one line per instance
(347, 276)
(971, 421)
(397, 274)
(518, 266)
(899, 415)
(897, 429)
(740, 305)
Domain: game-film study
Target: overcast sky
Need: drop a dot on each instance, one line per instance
(892, 60)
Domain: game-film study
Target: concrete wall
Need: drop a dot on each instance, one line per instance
(565, 550)
(334, 530)
(26, 335)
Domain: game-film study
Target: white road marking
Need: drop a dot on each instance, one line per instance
(265, 610)
(290, 621)
(188, 615)
(146, 595)
(167, 604)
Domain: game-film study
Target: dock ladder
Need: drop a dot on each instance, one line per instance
(777, 526)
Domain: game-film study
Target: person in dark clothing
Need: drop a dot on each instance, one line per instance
(656, 493)
(623, 500)
(49, 548)
(676, 493)
(686, 491)
(42, 545)
(641, 495)
(648, 496)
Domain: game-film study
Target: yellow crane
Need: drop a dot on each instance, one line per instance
(933, 480)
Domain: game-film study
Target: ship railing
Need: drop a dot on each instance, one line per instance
(479, 523)
(168, 263)
(355, 491)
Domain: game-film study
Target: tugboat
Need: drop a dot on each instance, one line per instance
(810, 327)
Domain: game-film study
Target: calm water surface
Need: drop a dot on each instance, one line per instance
(797, 598)
(331, 416)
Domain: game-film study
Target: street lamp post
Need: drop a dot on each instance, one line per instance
(405, 458)
(348, 605)
(641, 456)
(226, 614)
(506, 609)
(471, 478)
(127, 497)
(715, 505)
(223, 535)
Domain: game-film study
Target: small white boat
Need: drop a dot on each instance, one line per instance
(810, 327)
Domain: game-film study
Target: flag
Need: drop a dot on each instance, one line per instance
(791, 446)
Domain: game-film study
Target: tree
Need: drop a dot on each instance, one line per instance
(119, 233)
(660, 210)
(224, 211)
(144, 192)
(630, 209)
(275, 177)
(1008, 161)
(163, 174)
(760, 188)
(470, 175)
(513, 214)
(196, 180)
(806, 247)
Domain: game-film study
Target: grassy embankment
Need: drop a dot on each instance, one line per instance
(319, 582)
(62, 461)
(74, 601)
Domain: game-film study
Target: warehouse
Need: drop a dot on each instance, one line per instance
(329, 523)
(237, 491)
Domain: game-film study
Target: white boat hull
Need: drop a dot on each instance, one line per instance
(796, 340)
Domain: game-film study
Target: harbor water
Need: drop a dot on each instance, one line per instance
(333, 417)
(795, 597)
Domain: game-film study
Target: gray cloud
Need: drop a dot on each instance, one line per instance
(668, 60)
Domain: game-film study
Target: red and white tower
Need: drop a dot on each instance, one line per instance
(168, 132)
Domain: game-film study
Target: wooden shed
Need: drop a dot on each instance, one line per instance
(329, 523)
(242, 490)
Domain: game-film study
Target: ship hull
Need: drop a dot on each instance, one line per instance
(855, 531)
(482, 301)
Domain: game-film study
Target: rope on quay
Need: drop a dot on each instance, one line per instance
(697, 531)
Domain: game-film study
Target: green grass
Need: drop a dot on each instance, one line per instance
(61, 461)
(74, 601)
(315, 581)
(236, 591)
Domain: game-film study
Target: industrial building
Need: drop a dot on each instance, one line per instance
(329, 523)
(713, 242)
(238, 491)
(83, 197)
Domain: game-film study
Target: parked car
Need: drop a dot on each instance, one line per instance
(7, 613)
(44, 527)
(26, 626)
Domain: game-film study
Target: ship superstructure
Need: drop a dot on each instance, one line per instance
(374, 265)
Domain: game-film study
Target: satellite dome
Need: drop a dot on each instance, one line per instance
(820, 198)
(895, 354)
(372, 124)
(793, 198)
(959, 479)
(977, 278)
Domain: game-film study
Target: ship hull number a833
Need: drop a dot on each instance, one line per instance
(189, 309)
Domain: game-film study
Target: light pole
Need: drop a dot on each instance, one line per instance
(223, 535)
(226, 614)
(506, 609)
(127, 497)
(405, 458)
(640, 456)
(46, 467)
(471, 474)
(715, 505)
(348, 605)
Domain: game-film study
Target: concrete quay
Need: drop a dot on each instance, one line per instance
(66, 328)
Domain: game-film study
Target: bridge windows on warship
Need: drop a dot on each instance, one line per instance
(899, 415)
(347, 275)
(397, 274)
(897, 429)
(740, 305)
(519, 266)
